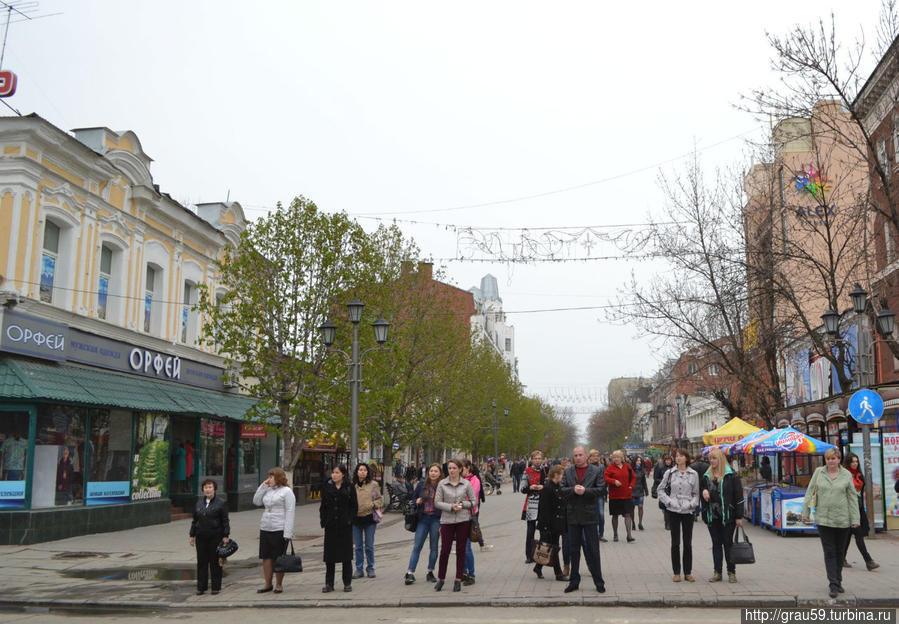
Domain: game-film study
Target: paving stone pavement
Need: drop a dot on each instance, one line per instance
(152, 568)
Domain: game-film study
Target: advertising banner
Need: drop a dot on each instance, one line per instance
(857, 447)
(150, 476)
(107, 493)
(891, 472)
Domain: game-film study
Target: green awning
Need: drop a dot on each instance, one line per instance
(71, 383)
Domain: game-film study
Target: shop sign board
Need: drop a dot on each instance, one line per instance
(107, 492)
(253, 431)
(12, 494)
(40, 338)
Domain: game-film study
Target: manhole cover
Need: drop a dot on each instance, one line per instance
(79, 555)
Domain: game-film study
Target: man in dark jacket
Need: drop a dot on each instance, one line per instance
(581, 487)
(515, 472)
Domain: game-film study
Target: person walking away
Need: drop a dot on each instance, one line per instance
(531, 485)
(551, 519)
(679, 493)
(275, 526)
(515, 472)
(832, 493)
(210, 527)
(639, 492)
(336, 514)
(368, 499)
(580, 489)
(620, 478)
(722, 509)
(852, 464)
(663, 466)
(428, 526)
(470, 474)
(593, 458)
(455, 499)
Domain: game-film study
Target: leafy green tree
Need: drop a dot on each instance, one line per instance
(281, 282)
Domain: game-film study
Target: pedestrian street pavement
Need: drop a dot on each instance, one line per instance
(153, 568)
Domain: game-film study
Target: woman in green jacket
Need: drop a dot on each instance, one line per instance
(832, 494)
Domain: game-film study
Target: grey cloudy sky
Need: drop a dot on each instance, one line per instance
(418, 111)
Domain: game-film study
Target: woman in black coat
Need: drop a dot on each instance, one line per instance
(551, 520)
(209, 528)
(336, 513)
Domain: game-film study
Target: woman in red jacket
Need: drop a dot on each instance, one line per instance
(621, 479)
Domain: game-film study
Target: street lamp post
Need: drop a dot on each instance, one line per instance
(884, 322)
(354, 362)
(496, 438)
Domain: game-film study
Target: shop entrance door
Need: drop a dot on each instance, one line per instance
(183, 460)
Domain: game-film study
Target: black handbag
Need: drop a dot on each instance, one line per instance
(289, 563)
(474, 530)
(410, 517)
(741, 552)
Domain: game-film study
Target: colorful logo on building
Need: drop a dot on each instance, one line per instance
(812, 182)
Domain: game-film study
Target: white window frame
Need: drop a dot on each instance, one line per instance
(62, 295)
(115, 301)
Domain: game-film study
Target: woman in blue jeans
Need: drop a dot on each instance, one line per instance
(428, 523)
(470, 473)
(368, 498)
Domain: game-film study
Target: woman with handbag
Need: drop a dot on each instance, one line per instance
(852, 464)
(455, 499)
(469, 473)
(640, 490)
(368, 514)
(336, 514)
(679, 492)
(832, 493)
(428, 523)
(534, 476)
(722, 510)
(551, 520)
(276, 525)
(210, 527)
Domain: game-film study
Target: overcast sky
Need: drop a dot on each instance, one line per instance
(440, 115)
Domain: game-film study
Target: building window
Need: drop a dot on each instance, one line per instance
(110, 460)
(508, 344)
(692, 368)
(888, 243)
(896, 138)
(149, 293)
(882, 154)
(188, 314)
(714, 371)
(103, 284)
(48, 260)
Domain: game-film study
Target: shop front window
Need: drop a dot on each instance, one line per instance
(150, 472)
(13, 457)
(249, 465)
(110, 458)
(212, 449)
(59, 456)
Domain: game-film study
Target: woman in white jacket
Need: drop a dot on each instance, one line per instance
(276, 525)
(679, 493)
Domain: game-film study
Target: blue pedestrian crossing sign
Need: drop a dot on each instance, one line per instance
(866, 407)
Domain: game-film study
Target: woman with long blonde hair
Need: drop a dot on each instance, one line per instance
(722, 509)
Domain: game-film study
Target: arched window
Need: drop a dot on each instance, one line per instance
(153, 293)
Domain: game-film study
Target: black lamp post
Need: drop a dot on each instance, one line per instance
(354, 361)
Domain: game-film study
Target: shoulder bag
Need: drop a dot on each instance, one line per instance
(741, 552)
(289, 563)
(376, 514)
(410, 517)
(474, 530)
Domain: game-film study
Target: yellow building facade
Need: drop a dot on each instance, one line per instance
(107, 394)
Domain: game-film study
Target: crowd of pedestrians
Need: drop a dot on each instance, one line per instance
(563, 509)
